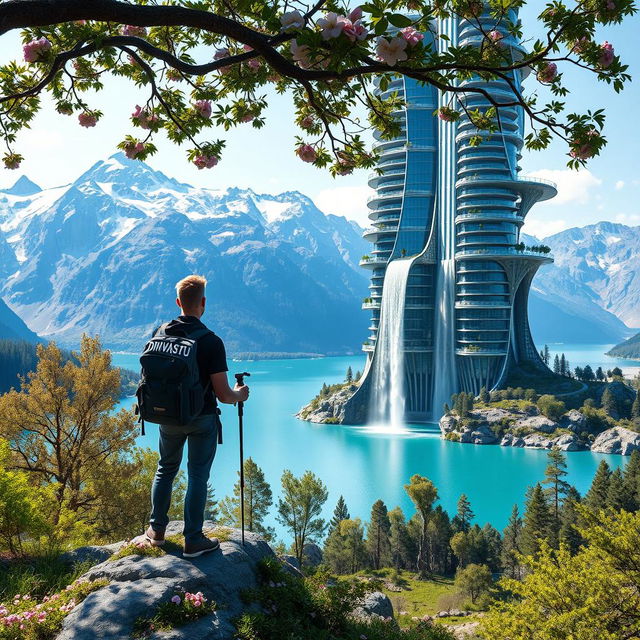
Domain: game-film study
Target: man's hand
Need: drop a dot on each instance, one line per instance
(242, 392)
(224, 392)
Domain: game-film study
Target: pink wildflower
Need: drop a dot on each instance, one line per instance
(203, 107)
(306, 153)
(36, 50)
(87, 120)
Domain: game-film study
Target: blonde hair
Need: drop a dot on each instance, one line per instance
(190, 291)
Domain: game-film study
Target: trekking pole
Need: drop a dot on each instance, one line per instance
(240, 381)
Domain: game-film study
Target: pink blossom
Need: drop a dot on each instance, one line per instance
(356, 14)
(306, 153)
(205, 162)
(254, 64)
(219, 55)
(580, 45)
(300, 53)
(131, 150)
(548, 73)
(87, 120)
(132, 30)
(176, 600)
(582, 152)
(447, 114)
(144, 119)
(197, 603)
(355, 31)
(495, 36)
(203, 107)
(306, 122)
(291, 20)
(391, 51)
(607, 54)
(412, 36)
(36, 50)
(332, 25)
(247, 118)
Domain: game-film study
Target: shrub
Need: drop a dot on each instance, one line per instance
(551, 407)
(452, 436)
(473, 581)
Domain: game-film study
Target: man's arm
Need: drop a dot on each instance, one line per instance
(224, 392)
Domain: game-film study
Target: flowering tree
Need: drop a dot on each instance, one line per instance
(323, 55)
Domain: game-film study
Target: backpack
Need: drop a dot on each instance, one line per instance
(170, 391)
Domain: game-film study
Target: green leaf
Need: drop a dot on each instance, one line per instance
(381, 27)
(398, 20)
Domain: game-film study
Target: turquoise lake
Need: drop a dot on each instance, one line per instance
(363, 464)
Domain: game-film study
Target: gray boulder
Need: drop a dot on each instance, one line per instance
(536, 441)
(448, 423)
(537, 423)
(140, 583)
(479, 435)
(574, 421)
(617, 440)
(569, 442)
(491, 416)
(311, 555)
(93, 554)
(512, 440)
(375, 604)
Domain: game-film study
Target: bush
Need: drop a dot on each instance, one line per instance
(551, 407)
(473, 581)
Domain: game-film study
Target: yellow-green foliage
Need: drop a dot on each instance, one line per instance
(24, 618)
(594, 595)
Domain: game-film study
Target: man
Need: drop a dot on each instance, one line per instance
(201, 434)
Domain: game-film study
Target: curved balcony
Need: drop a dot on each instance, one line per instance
(466, 351)
(489, 215)
(489, 252)
(373, 262)
(368, 348)
(372, 234)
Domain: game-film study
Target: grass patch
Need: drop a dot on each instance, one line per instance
(38, 576)
(419, 597)
(138, 550)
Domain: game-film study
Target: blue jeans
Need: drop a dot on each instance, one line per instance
(202, 438)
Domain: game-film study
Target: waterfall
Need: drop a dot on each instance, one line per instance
(444, 360)
(387, 398)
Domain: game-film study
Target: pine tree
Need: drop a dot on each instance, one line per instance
(556, 364)
(617, 496)
(600, 374)
(512, 545)
(357, 376)
(632, 480)
(257, 500)
(464, 515)
(596, 497)
(484, 395)
(579, 373)
(439, 533)
(553, 476)
(635, 408)
(349, 377)
(339, 513)
(569, 518)
(378, 535)
(563, 365)
(588, 373)
(547, 356)
(537, 520)
(609, 403)
(211, 506)
(403, 549)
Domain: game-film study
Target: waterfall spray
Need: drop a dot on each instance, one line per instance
(387, 400)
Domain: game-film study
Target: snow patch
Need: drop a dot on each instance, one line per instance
(271, 209)
(612, 240)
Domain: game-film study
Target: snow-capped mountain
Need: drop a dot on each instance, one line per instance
(101, 255)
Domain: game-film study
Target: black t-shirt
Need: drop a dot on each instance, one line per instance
(212, 357)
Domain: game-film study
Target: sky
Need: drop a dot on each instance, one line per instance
(57, 150)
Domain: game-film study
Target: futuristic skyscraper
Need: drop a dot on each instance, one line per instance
(449, 278)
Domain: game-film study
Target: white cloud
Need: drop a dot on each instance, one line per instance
(619, 184)
(632, 219)
(573, 186)
(350, 202)
(544, 228)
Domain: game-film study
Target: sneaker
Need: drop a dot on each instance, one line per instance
(156, 538)
(200, 546)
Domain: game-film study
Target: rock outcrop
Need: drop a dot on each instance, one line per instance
(139, 583)
(335, 408)
(375, 605)
(617, 440)
(527, 428)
